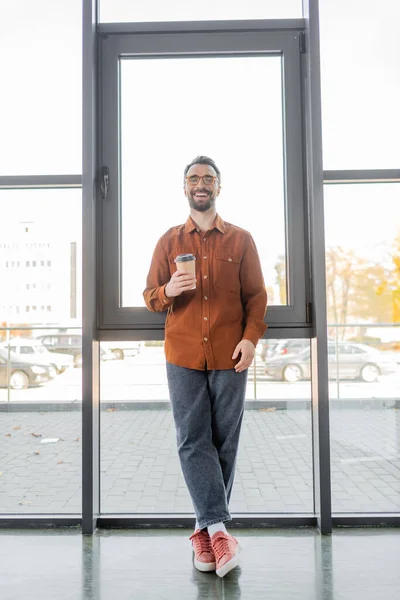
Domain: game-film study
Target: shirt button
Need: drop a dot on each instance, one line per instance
(205, 297)
(205, 277)
(205, 318)
(205, 339)
(204, 257)
(230, 260)
(204, 239)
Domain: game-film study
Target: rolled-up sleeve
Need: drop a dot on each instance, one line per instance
(157, 279)
(254, 294)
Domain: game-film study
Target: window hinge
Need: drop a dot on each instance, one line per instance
(302, 42)
(308, 312)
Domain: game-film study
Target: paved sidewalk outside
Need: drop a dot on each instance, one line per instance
(140, 470)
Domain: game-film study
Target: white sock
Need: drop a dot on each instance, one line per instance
(216, 527)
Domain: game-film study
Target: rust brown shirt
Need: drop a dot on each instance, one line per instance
(204, 325)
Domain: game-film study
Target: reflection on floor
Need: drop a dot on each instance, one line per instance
(146, 565)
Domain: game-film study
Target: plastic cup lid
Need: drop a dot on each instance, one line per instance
(185, 257)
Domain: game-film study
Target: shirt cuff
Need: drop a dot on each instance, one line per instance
(253, 335)
(165, 301)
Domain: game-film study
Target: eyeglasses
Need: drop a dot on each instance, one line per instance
(206, 179)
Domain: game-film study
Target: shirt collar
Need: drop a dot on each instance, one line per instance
(219, 224)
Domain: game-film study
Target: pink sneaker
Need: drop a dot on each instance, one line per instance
(226, 551)
(204, 559)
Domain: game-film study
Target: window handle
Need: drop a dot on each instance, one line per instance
(104, 182)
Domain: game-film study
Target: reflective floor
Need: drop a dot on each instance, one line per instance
(351, 564)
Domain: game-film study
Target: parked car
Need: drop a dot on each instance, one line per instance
(346, 359)
(291, 346)
(122, 349)
(267, 348)
(34, 349)
(22, 372)
(271, 348)
(70, 343)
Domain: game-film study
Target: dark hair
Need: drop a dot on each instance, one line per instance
(203, 160)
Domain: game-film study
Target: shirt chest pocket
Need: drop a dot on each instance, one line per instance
(227, 275)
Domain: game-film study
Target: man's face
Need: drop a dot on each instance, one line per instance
(201, 195)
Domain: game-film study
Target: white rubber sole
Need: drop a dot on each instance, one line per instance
(204, 567)
(230, 565)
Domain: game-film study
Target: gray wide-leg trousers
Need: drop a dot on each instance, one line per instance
(208, 410)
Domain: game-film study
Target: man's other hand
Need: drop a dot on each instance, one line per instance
(179, 282)
(247, 349)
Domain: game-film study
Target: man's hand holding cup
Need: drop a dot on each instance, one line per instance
(184, 279)
(180, 282)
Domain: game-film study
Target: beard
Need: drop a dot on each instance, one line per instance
(201, 206)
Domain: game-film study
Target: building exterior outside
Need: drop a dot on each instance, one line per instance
(39, 275)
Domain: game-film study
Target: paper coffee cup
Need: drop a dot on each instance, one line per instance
(185, 263)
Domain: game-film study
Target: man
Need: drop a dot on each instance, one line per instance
(210, 337)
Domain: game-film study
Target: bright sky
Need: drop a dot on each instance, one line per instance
(40, 119)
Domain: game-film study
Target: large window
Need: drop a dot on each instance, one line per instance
(238, 92)
(40, 367)
(156, 120)
(360, 94)
(363, 291)
(41, 258)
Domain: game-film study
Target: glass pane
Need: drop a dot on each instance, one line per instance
(363, 254)
(240, 127)
(40, 257)
(40, 375)
(360, 74)
(140, 469)
(120, 11)
(40, 115)
(363, 293)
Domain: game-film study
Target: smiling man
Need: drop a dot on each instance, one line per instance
(214, 321)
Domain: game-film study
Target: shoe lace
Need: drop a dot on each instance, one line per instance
(201, 542)
(221, 547)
